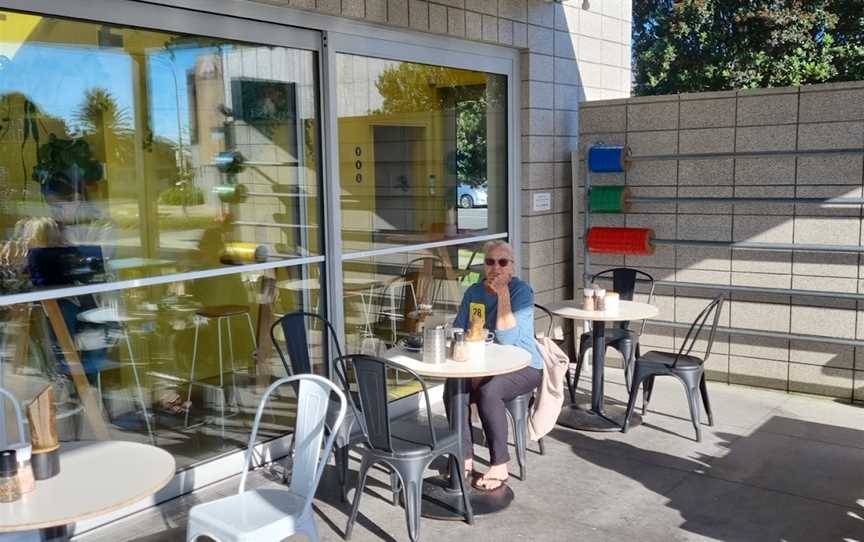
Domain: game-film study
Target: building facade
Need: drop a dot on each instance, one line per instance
(178, 174)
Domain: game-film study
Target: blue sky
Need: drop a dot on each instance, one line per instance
(56, 78)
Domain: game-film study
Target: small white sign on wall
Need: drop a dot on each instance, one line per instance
(542, 202)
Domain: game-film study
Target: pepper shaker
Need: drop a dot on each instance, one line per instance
(588, 299)
(10, 489)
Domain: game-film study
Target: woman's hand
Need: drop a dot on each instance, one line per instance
(499, 284)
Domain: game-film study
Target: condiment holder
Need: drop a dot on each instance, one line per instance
(15, 475)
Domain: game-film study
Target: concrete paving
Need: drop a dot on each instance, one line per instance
(775, 467)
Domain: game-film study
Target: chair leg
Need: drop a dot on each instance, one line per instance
(631, 403)
(306, 526)
(626, 349)
(542, 446)
(139, 389)
(192, 372)
(394, 487)
(413, 494)
(583, 350)
(692, 389)
(520, 432)
(648, 389)
(704, 392)
(340, 454)
(355, 506)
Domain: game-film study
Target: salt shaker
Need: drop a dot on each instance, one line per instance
(10, 489)
(600, 301)
(588, 299)
(458, 352)
(26, 481)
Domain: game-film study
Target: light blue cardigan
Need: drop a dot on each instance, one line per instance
(522, 304)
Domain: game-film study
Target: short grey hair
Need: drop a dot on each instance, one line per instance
(497, 243)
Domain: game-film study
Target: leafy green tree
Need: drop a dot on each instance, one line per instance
(420, 88)
(703, 45)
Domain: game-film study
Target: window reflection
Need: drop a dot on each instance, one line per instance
(132, 153)
(422, 152)
(180, 365)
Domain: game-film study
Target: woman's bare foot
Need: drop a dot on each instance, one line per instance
(493, 478)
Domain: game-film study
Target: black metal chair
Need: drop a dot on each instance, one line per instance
(519, 408)
(685, 367)
(297, 361)
(620, 337)
(407, 455)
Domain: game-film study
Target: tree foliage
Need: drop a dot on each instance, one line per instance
(419, 88)
(704, 45)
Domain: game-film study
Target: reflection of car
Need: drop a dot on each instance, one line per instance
(470, 196)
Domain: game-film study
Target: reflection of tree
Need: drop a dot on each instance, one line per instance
(471, 148)
(22, 123)
(105, 125)
(420, 88)
(99, 111)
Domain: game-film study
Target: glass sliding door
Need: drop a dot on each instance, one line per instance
(160, 205)
(423, 177)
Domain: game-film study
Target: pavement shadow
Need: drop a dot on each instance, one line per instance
(790, 480)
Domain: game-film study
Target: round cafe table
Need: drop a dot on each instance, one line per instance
(443, 493)
(596, 415)
(95, 478)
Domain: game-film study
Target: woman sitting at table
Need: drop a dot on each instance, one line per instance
(506, 305)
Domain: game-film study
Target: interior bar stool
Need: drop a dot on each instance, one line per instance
(221, 313)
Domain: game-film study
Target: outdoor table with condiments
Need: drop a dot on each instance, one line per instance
(597, 415)
(443, 494)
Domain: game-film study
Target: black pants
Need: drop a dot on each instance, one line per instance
(490, 394)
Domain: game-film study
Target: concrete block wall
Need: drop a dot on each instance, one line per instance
(569, 54)
(811, 117)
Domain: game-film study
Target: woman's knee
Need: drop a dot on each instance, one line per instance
(488, 395)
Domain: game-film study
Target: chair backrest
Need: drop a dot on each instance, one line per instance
(372, 387)
(546, 313)
(698, 325)
(294, 326)
(624, 283)
(313, 400)
(427, 270)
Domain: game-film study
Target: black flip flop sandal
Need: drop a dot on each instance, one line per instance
(478, 487)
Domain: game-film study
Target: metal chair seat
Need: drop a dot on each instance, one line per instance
(219, 311)
(657, 360)
(405, 447)
(612, 335)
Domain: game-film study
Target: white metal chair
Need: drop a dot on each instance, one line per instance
(274, 514)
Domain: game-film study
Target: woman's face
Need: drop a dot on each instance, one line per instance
(494, 260)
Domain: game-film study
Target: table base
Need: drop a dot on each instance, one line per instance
(580, 416)
(54, 534)
(441, 502)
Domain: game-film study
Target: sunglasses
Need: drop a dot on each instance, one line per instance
(502, 262)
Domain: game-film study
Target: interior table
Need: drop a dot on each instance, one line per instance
(443, 493)
(95, 478)
(596, 415)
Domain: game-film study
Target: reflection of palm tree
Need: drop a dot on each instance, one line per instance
(99, 111)
(101, 116)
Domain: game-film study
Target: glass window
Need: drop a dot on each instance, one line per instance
(128, 153)
(387, 297)
(422, 152)
(139, 349)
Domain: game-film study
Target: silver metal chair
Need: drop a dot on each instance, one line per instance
(275, 514)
